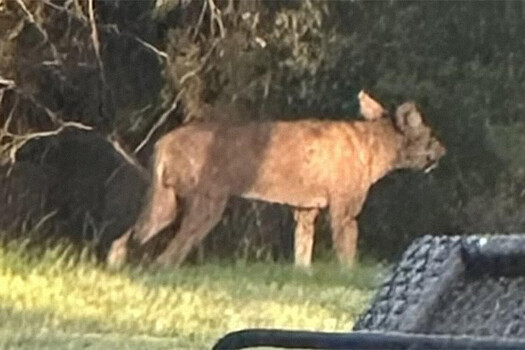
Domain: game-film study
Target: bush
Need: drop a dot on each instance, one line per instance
(151, 65)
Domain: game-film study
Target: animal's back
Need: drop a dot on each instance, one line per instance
(296, 162)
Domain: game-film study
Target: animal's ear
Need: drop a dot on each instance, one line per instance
(370, 108)
(407, 116)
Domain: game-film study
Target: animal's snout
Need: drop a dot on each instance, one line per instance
(440, 152)
(436, 152)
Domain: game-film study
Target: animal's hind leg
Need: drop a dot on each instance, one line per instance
(159, 211)
(117, 253)
(304, 235)
(201, 214)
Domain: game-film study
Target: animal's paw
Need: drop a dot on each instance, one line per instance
(164, 261)
(117, 255)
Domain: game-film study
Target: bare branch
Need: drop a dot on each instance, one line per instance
(159, 123)
(11, 85)
(44, 219)
(7, 82)
(52, 115)
(10, 116)
(129, 158)
(217, 18)
(114, 29)
(159, 53)
(94, 32)
(201, 18)
(200, 67)
(78, 8)
(76, 125)
(109, 28)
(42, 31)
(37, 135)
(95, 40)
(79, 14)
(18, 141)
(55, 6)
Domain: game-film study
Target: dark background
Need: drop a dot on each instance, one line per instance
(133, 70)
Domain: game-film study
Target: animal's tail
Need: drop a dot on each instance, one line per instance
(160, 208)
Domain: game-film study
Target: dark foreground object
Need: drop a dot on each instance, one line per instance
(361, 340)
(446, 292)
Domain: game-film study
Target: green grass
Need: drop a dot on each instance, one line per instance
(57, 302)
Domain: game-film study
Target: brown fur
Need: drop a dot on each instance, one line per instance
(307, 164)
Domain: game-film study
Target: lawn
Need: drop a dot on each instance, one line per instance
(61, 302)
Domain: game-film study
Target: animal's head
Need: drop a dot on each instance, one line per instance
(421, 149)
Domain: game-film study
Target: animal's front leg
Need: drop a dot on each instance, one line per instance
(343, 216)
(344, 236)
(304, 235)
(200, 215)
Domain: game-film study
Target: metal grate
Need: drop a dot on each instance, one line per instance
(454, 285)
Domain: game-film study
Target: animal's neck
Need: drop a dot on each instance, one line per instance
(385, 144)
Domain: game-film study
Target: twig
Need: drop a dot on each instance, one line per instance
(44, 219)
(159, 123)
(18, 141)
(42, 31)
(10, 116)
(7, 82)
(159, 53)
(200, 67)
(115, 29)
(79, 15)
(143, 172)
(52, 115)
(37, 135)
(95, 40)
(11, 85)
(1, 96)
(201, 18)
(78, 8)
(55, 6)
(216, 17)
(109, 28)
(129, 158)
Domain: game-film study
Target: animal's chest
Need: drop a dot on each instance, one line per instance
(290, 194)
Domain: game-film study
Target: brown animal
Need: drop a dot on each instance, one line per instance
(307, 164)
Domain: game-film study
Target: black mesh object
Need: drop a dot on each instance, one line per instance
(361, 340)
(446, 292)
(471, 285)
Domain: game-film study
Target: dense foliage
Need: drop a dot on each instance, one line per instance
(128, 71)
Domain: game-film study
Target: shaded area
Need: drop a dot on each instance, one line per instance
(488, 305)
